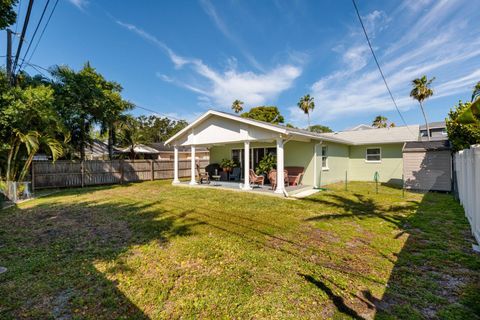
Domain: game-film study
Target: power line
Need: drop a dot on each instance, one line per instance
(34, 33)
(43, 31)
(159, 113)
(22, 36)
(379, 68)
(18, 14)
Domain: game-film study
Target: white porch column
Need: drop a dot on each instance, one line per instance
(193, 179)
(175, 165)
(280, 167)
(246, 166)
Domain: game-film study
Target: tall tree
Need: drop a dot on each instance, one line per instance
(237, 106)
(159, 129)
(28, 123)
(84, 99)
(264, 113)
(421, 91)
(382, 122)
(318, 128)
(476, 91)
(7, 13)
(130, 134)
(463, 131)
(306, 104)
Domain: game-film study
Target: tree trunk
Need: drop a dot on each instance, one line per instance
(426, 122)
(308, 116)
(110, 142)
(82, 140)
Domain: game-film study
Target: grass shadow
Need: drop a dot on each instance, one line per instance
(51, 251)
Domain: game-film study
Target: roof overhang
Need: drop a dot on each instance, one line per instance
(278, 130)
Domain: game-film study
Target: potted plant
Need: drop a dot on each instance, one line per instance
(267, 163)
(227, 165)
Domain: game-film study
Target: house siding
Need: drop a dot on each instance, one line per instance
(390, 168)
(337, 162)
(341, 159)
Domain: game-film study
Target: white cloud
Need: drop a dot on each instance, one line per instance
(80, 4)
(222, 87)
(441, 44)
(176, 59)
(210, 10)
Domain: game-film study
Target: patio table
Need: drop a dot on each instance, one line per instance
(216, 179)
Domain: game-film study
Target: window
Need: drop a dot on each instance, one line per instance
(324, 157)
(373, 155)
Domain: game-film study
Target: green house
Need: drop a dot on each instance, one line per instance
(324, 157)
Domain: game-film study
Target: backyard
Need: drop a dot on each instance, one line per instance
(152, 251)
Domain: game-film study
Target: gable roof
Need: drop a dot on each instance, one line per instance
(379, 135)
(427, 145)
(434, 125)
(261, 124)
(357, 137)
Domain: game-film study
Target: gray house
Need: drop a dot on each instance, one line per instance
(427, 165)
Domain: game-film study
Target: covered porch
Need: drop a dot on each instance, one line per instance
(299, 191)
(245, 142)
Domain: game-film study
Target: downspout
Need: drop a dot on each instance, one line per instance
(315, 157)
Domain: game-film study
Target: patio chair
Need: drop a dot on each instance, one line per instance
(272, 176)
(203, 177)
(256, 179)
(235, 175)
(295, 175)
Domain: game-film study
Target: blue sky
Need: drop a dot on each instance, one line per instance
(181, 58)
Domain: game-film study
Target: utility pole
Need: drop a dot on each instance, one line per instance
(9, 55)
(22, 37)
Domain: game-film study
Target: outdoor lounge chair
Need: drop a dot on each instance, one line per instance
(295, 175)
(272, 176)
(203, 177)
(255, 179)
(235, 175)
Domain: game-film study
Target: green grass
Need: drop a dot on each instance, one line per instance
(151, 250)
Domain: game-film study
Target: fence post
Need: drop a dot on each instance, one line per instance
(33, 176)
(82, 171)
(121, 171)
(152, 171)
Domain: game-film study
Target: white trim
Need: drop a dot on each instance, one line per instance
(260, 124)
(373, 161)
(326, 168)
(175, 166)
(280, 167)
(193, 180)
(246, 166)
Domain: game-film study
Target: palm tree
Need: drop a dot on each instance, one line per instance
(237, 106)
(306, 104)
(382, 122)
(130, 134)
(476, 91)
(421, 91)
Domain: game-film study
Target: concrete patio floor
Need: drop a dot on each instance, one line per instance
(291, 191)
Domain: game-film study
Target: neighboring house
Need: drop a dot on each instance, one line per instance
(165, 152)
(361, 127)
(438, 131)
(141, 152)
(98, 150)
(325, 157)
(427, 165)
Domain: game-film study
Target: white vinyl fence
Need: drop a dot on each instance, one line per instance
(467, 168)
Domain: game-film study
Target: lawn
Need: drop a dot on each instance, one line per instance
(150, 250)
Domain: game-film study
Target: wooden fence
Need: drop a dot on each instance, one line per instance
(467, 174)
(65, 173)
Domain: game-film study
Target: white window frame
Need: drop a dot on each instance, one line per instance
(324, 168)
(373, 161)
